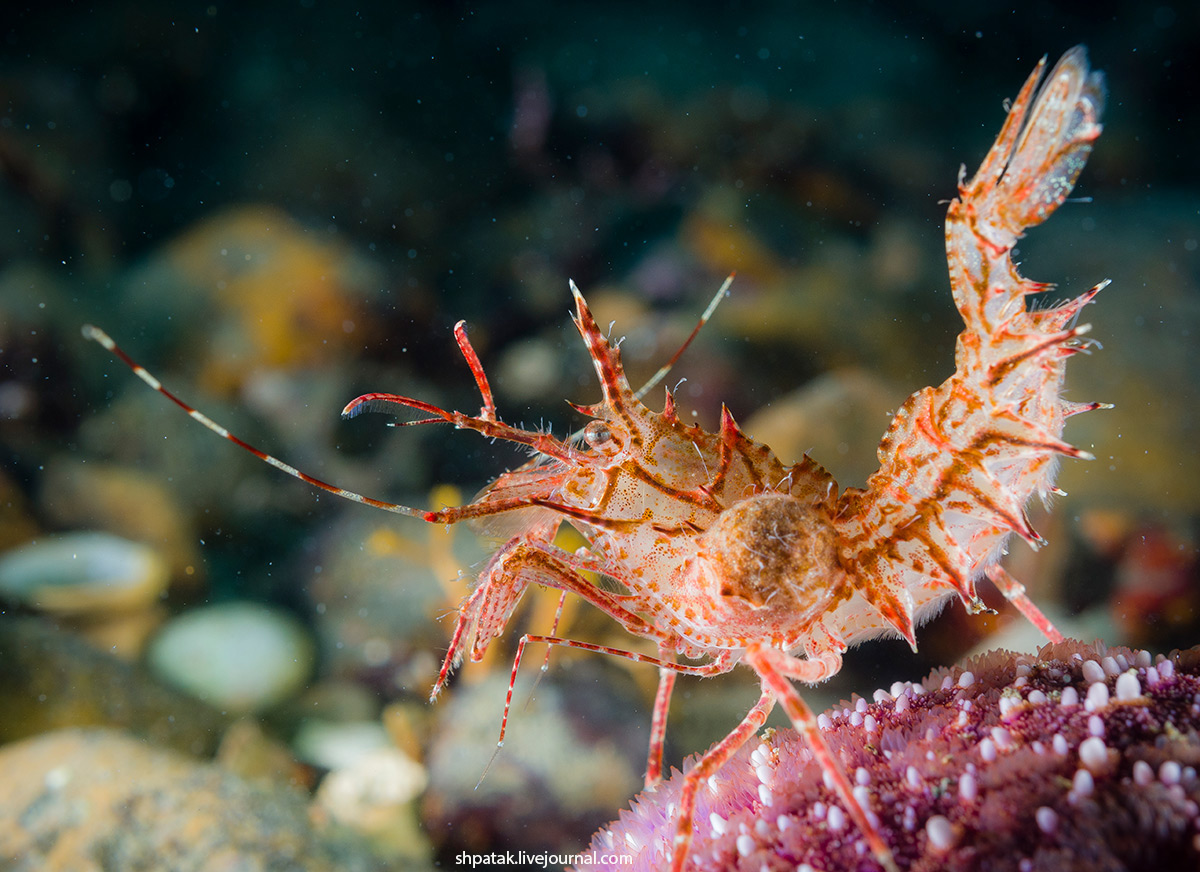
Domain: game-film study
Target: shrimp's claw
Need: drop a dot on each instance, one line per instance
(1040, 152)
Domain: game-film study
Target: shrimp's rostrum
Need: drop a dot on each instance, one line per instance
(720, 555)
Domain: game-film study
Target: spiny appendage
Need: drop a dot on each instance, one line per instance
(1028, 173)
(95, 334)
(486, 424)
(619, 403)
(954, 478)
(1011, 357)
(1023, 352)
(960, 461)
(1040, 152)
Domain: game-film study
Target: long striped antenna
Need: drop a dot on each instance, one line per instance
(487, 421)
(708, 313)
(97, 335)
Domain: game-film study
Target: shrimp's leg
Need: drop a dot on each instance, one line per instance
(666, 681)
(546, 564)
(509, 572)
(458, 641)
(658, 724)
(775, 667)
(706, 766)
(722, 663)
(489, 606)
(558, 613)
(1014, 592)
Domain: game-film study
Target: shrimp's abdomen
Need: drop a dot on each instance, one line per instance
(960, 461)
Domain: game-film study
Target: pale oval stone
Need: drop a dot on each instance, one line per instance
(237, 656)
(81, 573)
(338, 744)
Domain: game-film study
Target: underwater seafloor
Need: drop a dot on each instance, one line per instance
(280, 208)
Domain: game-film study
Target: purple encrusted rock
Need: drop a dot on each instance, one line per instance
(1081, 757)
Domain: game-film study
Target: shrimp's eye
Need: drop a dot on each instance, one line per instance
(598, 435)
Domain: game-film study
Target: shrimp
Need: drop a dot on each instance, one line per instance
(719, 555)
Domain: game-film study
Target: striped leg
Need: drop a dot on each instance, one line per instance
(658, 725)
(1014, 592)
(775, 667)
(719, 665)
(512, 568)
(706, 766)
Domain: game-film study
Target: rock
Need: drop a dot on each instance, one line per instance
(50, 678)
(105, 587)
(92, 800)
(79, 573)
(375, 795)
(250, 752)
(237, 656)
(372, 786)
(127, 502)
(337, 745)
(573, 752)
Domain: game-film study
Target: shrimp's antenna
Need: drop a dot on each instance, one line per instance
(95, 334)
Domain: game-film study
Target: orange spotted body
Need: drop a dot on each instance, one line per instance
(719, 554)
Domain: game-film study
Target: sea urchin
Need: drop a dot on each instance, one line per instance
(1081, 757)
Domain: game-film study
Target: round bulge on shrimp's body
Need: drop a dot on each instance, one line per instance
(766, 571)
